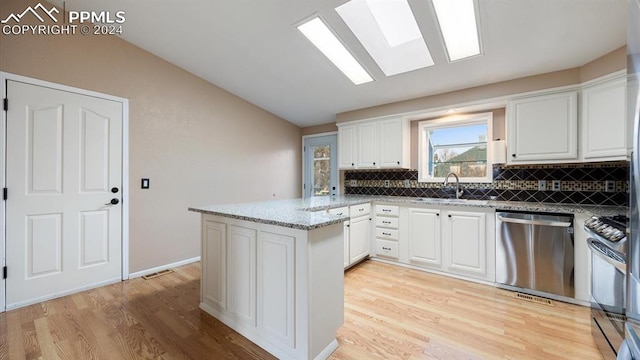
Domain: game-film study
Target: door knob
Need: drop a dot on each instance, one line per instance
(115, 190)
(113, 201)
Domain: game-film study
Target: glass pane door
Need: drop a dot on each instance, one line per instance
(320, 166)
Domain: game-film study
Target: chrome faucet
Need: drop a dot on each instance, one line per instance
(458, 190)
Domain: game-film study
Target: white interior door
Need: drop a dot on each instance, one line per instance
(64, 181)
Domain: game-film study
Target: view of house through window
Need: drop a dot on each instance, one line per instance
(458, 145)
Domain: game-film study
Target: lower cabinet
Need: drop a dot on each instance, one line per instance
(456, 240)
(425, 237)
(359, 238)
(279, 287)
(465, 244)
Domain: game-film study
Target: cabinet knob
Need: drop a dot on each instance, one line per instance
(374, 163)
(437, 214)
(513, 155)
(398, 162)
(449, 215)
(352, 164)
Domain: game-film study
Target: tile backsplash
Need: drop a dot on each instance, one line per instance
(579, 184)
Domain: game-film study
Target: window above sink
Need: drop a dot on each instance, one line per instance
(457, 144)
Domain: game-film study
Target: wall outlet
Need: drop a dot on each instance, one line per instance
(609, 186)
(353, 182)
(387, 183)
(542, 185)
(556, 185)
(407, 183)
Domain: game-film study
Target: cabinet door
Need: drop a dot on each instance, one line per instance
(276, 287)
(347, 146)
(424, 237)
(241, 270)
(367, 145)
(543, 128)
(466, 243)
(214, 270)
(604, 121)
(393, 143)
(359, 238)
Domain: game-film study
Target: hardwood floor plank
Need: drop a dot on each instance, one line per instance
(391, 312)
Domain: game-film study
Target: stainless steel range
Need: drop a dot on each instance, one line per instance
(608, 245)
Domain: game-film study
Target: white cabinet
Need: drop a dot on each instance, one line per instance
(347, 146)
(543, 129)
(604, 121)
(451, 240)
(374, 144)
(281, 288)
(276, 290)
(359, 232)
(214, 247)
(465, 243)
(394, 143)
(368, 145)
(387, 232)
(425, 237)
(241, 274)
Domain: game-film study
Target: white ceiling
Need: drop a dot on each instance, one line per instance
(253, 49)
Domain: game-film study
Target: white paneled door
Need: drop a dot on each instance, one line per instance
(64, 181)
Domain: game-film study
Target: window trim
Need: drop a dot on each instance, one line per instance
(448, 122)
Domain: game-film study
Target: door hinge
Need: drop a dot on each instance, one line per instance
(5, 104)
(4, 193)
(4, 272)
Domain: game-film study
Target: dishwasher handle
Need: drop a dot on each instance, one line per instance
(535, 222)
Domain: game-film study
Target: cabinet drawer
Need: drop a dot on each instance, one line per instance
(386, 222)
(359, 210)
(339, 211)
(387, 248)
(388, 210)
(386, 234)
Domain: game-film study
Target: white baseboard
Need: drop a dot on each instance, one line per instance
(163, 267)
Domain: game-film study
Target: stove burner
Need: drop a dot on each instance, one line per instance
(610, 228)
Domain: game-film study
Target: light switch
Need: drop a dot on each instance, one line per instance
(144, 183)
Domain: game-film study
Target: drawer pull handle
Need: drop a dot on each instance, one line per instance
(361, 209)
(387, 234)
(386, 222)
(386, 248)
(339, 213)
(386, 210)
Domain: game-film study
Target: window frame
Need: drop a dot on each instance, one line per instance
(451, 122)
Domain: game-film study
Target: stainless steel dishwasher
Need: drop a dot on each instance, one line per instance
(534, 253)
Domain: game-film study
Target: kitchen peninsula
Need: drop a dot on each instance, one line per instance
(273, 272)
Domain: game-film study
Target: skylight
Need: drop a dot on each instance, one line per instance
(457, 20)
(323, 38)
(388, 31)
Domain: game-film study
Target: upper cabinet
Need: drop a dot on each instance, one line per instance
(543, 129)
(604, 121)
(347, 146)
(374, 144)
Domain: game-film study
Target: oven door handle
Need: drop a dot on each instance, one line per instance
(620, 265)
(534, 222)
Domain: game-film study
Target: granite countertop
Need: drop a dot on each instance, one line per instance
(305, 214)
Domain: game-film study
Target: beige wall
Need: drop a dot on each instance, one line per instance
(319, 129)
(196, 142)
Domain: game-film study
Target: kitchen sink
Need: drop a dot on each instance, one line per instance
(452, 201)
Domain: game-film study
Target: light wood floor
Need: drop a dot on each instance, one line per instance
(390, 313)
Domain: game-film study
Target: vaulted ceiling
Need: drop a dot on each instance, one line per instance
(252, 48)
